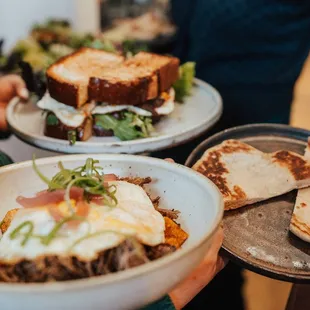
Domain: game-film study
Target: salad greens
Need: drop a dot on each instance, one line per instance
(52, 120)
(72, 137)
(183, 86)
(131, 126)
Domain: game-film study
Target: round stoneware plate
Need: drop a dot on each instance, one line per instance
(257, 236)
(201, 209)
(199, 112)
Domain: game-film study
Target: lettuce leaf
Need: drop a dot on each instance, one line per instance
(131, 126)
(183, 86)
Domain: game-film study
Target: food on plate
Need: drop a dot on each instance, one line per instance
(184, 85)
(86, 223)
(82, 99)
(145, 27)
(300, 221)
(93, 91)
(49, 41)
(245, 175)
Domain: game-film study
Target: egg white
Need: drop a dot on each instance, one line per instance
(72, 117)
(134, 215)
(66, 114)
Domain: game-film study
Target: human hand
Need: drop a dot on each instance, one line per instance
(10, 86)
(202, 275)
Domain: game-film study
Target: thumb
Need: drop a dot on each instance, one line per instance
(20, 87)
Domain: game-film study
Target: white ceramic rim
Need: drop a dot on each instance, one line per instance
(144, 145)
(130, 273)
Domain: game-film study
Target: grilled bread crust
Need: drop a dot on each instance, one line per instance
(165, 67)
(74, 92)
(85, 75)
(117, 90)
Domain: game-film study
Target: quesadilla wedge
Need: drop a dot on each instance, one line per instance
(300, 222)
(245, 175)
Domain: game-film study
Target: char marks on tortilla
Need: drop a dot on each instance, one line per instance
(300, 221)
(245, 175)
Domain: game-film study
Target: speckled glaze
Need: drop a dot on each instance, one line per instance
(179, 187)
(257, 236)
(198, 113)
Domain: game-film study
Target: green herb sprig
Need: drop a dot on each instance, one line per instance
(86, 177)
(130, 127)
(47, 239)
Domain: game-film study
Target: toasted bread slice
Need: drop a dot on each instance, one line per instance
(245, 175)
(166, 68)
(123, 85)
(68, 78)
(300, 221)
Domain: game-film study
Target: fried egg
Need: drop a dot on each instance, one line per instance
(105, 227)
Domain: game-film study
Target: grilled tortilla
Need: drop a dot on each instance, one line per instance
(245, 175)
(300, 222)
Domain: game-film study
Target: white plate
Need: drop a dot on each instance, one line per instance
(198, 113)
(181, 188)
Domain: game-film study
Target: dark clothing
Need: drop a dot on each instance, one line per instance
(252, 51)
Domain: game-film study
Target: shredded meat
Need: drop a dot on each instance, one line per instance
(159, 251)
(137, 180)
(130, 253)
(172, 214)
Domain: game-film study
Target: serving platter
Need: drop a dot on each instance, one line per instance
(257, 237)
(198, 113)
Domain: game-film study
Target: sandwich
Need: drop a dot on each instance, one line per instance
(300, 221)
(85, 224)
(92, 92)
(245, 175)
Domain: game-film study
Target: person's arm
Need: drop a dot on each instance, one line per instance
(10, 87)
(196, 281)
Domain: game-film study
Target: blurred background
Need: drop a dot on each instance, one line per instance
(42, 31)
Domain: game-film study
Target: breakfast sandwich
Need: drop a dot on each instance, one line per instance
(92, 92)
(245, 175)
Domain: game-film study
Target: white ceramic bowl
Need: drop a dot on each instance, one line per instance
(179, 187)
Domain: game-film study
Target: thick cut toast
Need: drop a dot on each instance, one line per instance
(68, 78)
(166, 68)
(124, 85)
(135, 81)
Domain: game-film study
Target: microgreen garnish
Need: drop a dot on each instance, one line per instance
(86, 177)
(47, 239)
(17, 231)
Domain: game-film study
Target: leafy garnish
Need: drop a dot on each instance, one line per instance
(183, 86)
(131, 48)
(104, 45)
(52, 120)
(45, 239)
(86, 177)
(18, 229)
(72, 137)
(131, 126)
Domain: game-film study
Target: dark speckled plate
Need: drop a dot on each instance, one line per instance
(257, 236)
